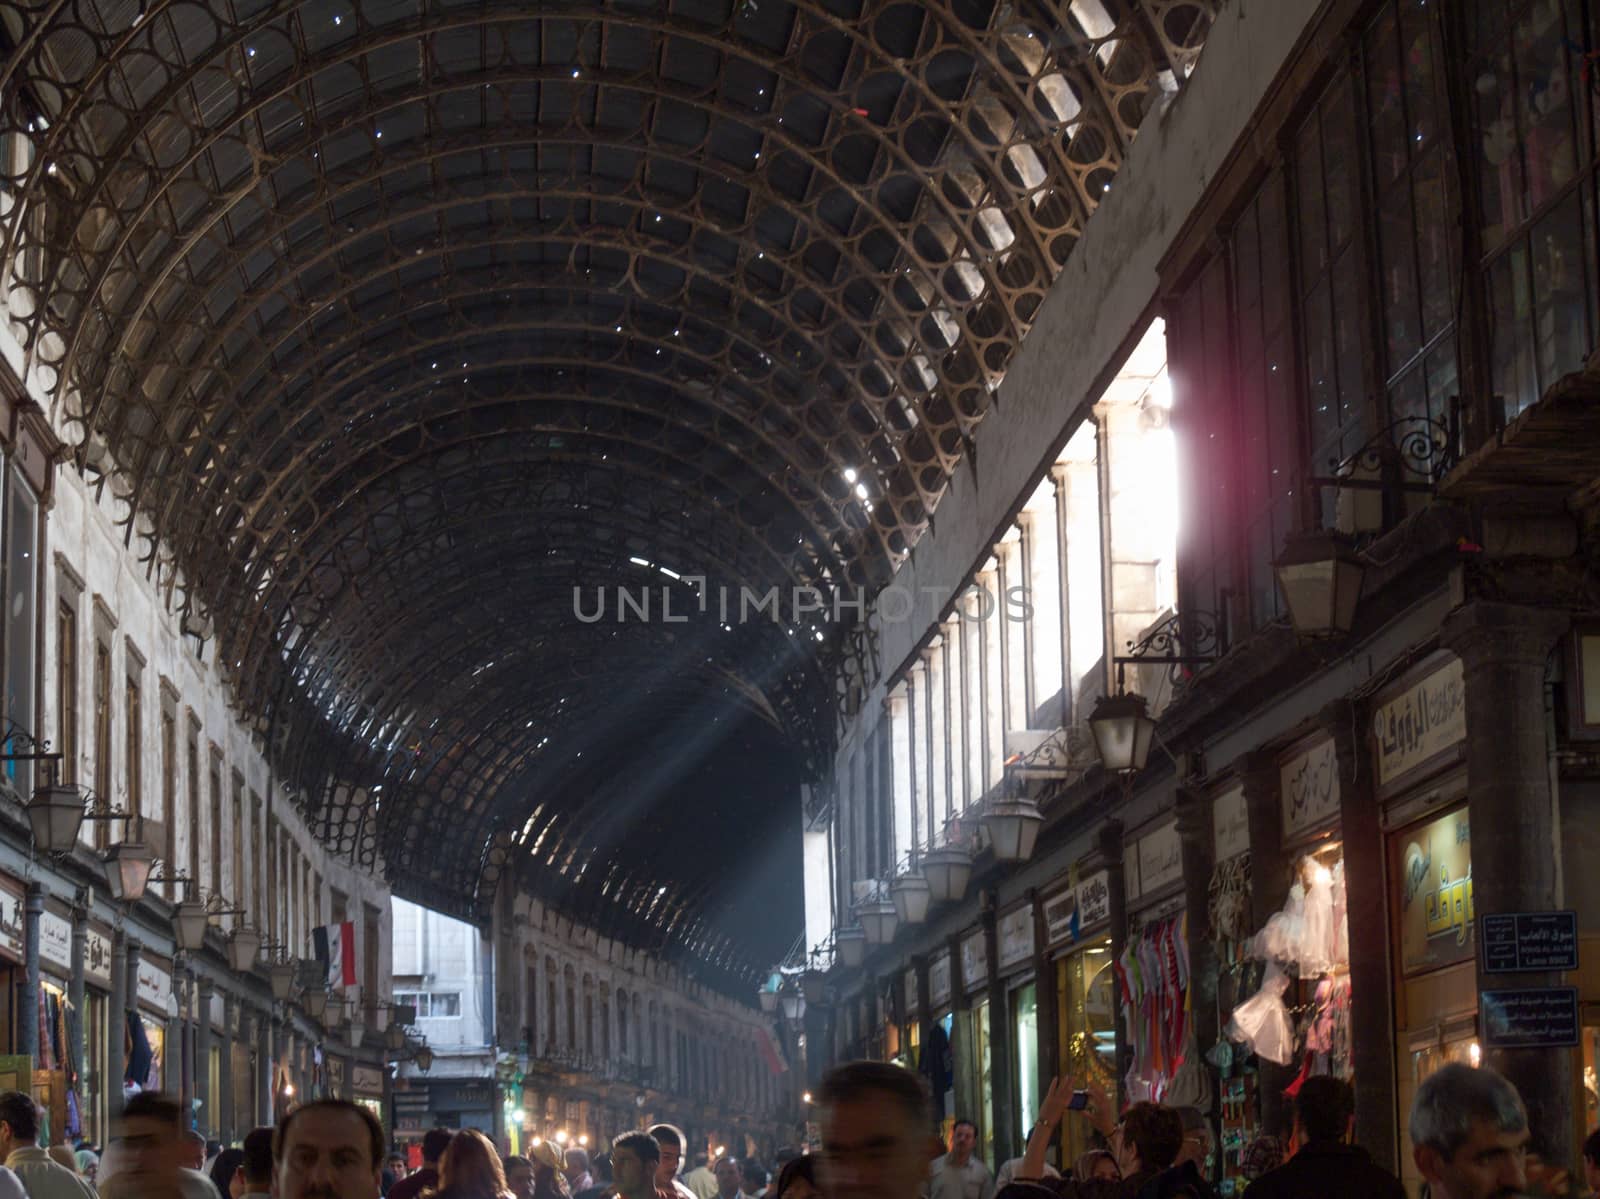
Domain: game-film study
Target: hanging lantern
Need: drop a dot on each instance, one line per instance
(794, 1005)
(1122, 731)
(55, 814)
(189, 925)
(128, 866)
(1321, 577)
(767, 994)
(1013, 826)
(947, 869)
(243, 946)
(911, 896)
(315, 1000)
(814, 986)
(851, 946)
(424, 1059)
(394, 1038)
(879, 920)
(281, 976)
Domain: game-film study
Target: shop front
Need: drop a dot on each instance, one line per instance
(937, 1058)
(1077, 921)
(366, 1088)
(1014, 960)
(149, 1068)
(1151, 974)
(974, 1043)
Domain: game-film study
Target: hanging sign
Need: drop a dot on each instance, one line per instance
(1309, 786)
(366, 1080)
(11, 917)
(1014, 932)
(1516, 941)
(155, 986)
(97, 959)
(1230, 824)
(1421, 722)
(1069, 914)
(1530, 1018)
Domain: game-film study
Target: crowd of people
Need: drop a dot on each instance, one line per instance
(1468, 1130)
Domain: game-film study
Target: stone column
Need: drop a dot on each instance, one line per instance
(207, 1112)
(1044, 974)
(1062, 489)
(175, 1068)
(1195, 834)
(28, 1008)
(1372, 1020)
(1270, 869)
(75, 996)
(1515, 820)
(116, 1024)
(1110, 846)
(226, 1120)
(263, 1031)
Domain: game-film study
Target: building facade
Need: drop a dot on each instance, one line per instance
(1360, 242)
(108, 697)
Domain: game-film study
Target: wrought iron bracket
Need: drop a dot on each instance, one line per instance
(1425, 447)
(1190, 638)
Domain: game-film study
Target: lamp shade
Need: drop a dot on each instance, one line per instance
(1013, 826)
(911, 897)
(1320, 577)
(394, 1038)
(814, 986)
(424, 1059)
(316, 1002)
(947, 869)
(189, 925)
(879, 920)
(358, 1028)
(243, 946)
(851, 946)
(281, 976)
(55, 814)
(769, 999)
(1122, 731)
(794, 1005)
(128, 867)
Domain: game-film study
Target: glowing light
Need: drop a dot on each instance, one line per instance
(806, 1098)
(288, 1088)
(561, 1136)
(861, 490)
(520, 1116)
(1475, 1055)
(849, 474)
(583, 1138)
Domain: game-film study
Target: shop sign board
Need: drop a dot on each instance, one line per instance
(97, 959)
(1424, 720)
(11, 917)
(1230, 824)
(1309, 786)
(939, 981)
(1530, 1018)
(1071, 913)
(155, 987)
(1433, 868)
(1014, 932)
(1160, 858)
(974, 962)
(1516, 941)
(55, 941)
(368, 1080)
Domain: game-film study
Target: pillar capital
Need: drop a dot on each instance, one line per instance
(1482, 631)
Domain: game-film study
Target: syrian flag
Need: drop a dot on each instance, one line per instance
(772, 1052)
(335, 946)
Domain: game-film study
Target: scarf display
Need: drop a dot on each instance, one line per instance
(1153, 975)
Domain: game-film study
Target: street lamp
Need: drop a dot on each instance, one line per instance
(794, 1005)
(1013, 827)
(243, 946)
(55, 814)
(947, 869)
(767, 994)
(316, 1002)
(814, 986)
(189, 925)
(281, 976)
(911, 896)
(424, 1059)
(1321, 577)
(1123, 732)
(358, 1028)
(851, 946)
(128, 867)
(394, 1038)
(879, 921)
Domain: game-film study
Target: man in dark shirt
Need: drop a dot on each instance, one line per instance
(434, 1142)
(1325, 1167)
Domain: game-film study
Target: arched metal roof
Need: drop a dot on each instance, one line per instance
(388, 323)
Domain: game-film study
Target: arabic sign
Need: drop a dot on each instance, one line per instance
(367, 1080)
(1433, 868)
(155, 987)
(1160, 859)
(1089, 902)
(1015, 936)
(1424, 720)
(55, 941)
(11, 917)
(974, 963)
(97, 959)
(1230, 824)
(1531, 1018)
(1309, 786)
(1514, 941)
(939, 980)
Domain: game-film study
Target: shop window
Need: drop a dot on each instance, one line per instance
(102, 733)
(983, 1044)
(1535, 127)
(133, 744)
(67, 690)
(21, 551)
(1025, 1033)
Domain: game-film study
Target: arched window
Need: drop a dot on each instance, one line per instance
(605, 1020)
(549, 1003)
(572, 1008)
(622, 1023)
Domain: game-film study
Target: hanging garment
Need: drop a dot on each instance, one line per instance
(1341, 918)
(1314, 950)
(140, 1056)
(1261, 1023)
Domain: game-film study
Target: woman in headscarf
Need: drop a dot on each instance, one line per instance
(549, 1171)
